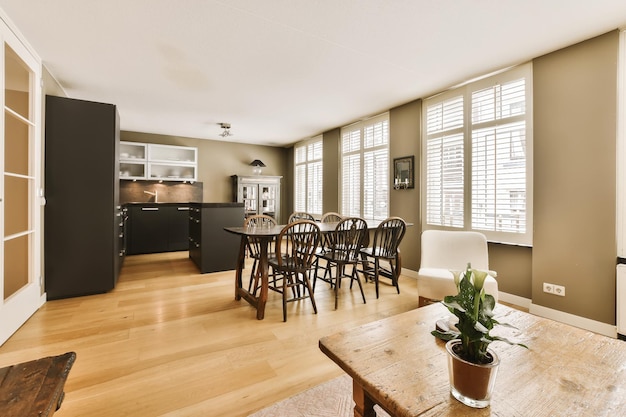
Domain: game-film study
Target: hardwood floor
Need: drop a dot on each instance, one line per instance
(169, 341)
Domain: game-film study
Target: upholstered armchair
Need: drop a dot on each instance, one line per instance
(443, 251)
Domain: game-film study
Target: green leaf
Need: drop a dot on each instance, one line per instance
(447, 336)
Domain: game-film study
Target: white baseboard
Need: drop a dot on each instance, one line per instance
(605, 329)
(514, 299)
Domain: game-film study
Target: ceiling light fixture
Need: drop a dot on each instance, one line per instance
(226, 133)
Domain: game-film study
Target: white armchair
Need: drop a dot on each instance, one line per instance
(443, 251)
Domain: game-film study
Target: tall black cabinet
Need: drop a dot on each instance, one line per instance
(82, 214)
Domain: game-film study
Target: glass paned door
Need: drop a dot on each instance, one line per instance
(250, 198)
(268, 200)
(20, 287)
(18, 178)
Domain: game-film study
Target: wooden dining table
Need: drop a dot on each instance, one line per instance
(566, 371)
(265, 235)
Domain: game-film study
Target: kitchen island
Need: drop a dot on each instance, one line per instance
(211, 248)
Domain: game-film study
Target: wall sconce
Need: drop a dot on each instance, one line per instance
(399, 184)
(257, 166)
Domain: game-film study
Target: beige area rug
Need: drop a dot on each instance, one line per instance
(330, 399)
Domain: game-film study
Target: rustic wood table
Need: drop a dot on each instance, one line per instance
(35, 388)
(397, 364)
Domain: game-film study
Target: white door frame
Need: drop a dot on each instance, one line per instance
(16, 309)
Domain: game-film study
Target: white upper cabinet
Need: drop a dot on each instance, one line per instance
(133, 160)
(158, 162)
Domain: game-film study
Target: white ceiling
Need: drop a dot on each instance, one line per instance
(284, 70)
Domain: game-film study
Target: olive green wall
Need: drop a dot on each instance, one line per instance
(575, 97)
(331, 179)
(404, 133)
(218, 160)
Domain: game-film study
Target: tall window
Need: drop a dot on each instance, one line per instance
(365, 168)
(308, 176)
(477, 157)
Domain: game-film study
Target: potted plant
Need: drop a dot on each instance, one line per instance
(472, 366)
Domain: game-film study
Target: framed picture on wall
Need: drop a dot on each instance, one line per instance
(403, 175)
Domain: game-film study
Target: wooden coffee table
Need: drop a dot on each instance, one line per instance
(34, 388)
(397, 364)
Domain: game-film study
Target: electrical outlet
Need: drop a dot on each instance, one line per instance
(549, 288)
(559, 290)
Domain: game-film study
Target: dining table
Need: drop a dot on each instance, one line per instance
(397, 364)
(265, 235)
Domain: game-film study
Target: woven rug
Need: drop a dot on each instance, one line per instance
(330, 399)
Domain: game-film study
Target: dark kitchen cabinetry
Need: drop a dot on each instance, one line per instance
(82, 214)
(211, 248)
(158, 227)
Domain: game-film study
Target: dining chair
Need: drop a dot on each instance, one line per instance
(385, 247)
(294, 253)
(300, 215)
(329, 217)
(253, 246)
(345, 243)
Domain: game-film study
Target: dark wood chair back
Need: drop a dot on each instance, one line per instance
(387, 237)
(296, 245)
(345, 243)
(300, 215)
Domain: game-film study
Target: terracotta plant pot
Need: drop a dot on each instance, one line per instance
(470, 383)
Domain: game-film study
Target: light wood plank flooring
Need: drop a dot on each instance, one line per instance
(169, 341)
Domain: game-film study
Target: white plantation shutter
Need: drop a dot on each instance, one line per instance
(365, 168)
(314, 188)
(351, 185)
(300, 191)
(477, 172)
(308, 187)
(375, 190)
(444, 163)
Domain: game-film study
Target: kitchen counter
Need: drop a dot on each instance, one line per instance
(202, 205)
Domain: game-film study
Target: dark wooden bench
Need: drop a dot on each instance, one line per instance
(35, 388)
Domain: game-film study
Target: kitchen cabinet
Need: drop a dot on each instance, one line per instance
(211, 248)
(82, 214)
(133, 157)
(260, 194)
(158, 227)
(178, 228)
(158, 162)
(122, 234)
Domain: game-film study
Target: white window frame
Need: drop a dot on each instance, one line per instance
(308, 174)
(466, 133)
(369, 198)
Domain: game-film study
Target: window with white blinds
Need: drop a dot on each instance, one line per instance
(308, 176)
(365, 168)
(477, 157)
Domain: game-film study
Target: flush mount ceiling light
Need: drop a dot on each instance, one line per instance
(226, 133)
